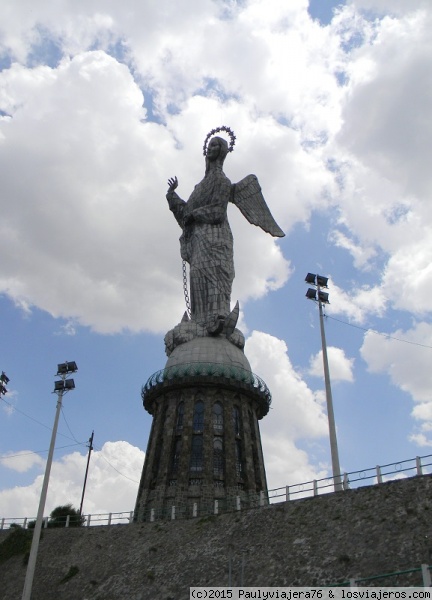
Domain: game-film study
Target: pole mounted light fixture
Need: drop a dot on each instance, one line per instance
(321, 297)
(65, 384)
(66, 368)
(4, 380)
(321, 281)
(311, 294)
(310, 278)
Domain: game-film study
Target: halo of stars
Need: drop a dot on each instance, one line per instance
(227, 130)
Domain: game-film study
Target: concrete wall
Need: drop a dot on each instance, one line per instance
(315, 541)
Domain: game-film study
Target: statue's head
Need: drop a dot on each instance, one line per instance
(217, 148)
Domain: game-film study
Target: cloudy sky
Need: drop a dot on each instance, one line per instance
(101, 102)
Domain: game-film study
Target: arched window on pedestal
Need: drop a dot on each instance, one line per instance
(196, 459)
(180, 417)
(236, 421)
(198, 416)
(218, 457)
(217, 418)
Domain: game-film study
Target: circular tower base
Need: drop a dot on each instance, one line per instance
(204, 452)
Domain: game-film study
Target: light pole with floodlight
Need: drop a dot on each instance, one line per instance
(60, 387)
(4, 380)
(322, 298)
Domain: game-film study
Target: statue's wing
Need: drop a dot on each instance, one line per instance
(247, 195)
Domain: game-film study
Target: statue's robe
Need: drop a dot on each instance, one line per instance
(207, 245)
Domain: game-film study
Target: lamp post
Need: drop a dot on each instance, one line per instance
(322, 298)
(60, 387)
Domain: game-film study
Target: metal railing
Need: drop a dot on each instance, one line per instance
(207, 369)
(115, 518)
(418, 466)
(420, 576)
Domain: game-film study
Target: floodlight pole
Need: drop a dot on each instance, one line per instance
(28, 584)
(319, 281)
(330, 412)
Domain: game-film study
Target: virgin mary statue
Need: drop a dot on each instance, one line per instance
(206, 242)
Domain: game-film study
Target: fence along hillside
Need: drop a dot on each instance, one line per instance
(418, 466)
(329, 539)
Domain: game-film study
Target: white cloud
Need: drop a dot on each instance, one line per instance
(334, 121)
(341, 367)
(112, 483)
(361, 254)
(21, 461)
(407, 279)
(408, 366)
(393, 6)
(356, 303)
(8, 401)
(94, 241)
(94, 166)
(406, 363)
(421, 440)
(288, 465)
(295, 414)
(97, 168)
(423, 411)
(8, 408)
(68, 328)
(381, 155)
(386, 116)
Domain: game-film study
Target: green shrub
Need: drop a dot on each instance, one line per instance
(59, 516)
(17, 542)
(74, 570)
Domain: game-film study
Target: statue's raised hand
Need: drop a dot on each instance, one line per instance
(172, 183)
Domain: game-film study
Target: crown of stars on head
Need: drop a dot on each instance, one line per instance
(227, 130)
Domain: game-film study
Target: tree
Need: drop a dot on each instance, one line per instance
(58, 517)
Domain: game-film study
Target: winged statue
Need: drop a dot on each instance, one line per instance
(206, 242)
(247, 195)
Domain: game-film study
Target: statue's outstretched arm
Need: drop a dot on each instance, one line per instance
(172, 184)
(247, 195)
(175, 203)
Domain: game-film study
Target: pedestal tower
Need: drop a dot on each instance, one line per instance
(204, 452)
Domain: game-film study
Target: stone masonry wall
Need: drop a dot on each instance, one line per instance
(310, 542)
(166, 483)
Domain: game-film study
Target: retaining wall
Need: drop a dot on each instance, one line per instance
(309, 542)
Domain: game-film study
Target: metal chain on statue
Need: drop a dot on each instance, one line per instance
(185, 289)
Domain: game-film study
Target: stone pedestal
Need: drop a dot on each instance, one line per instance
(204, 452)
